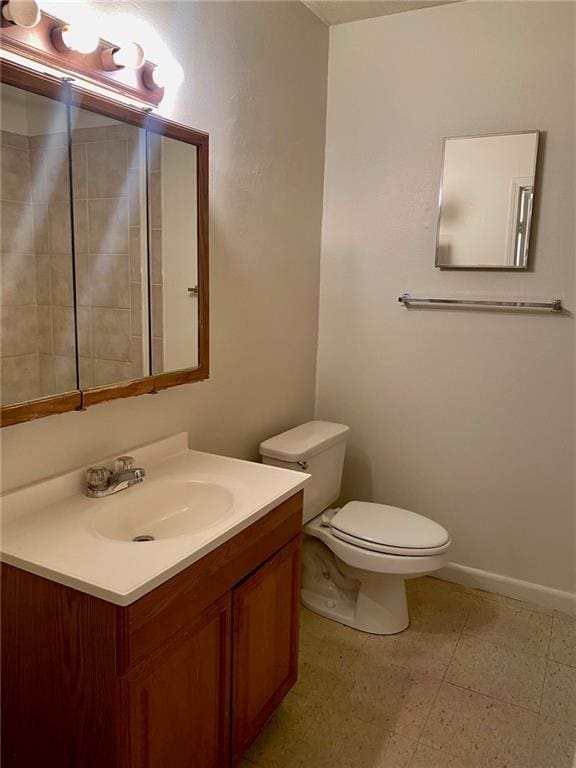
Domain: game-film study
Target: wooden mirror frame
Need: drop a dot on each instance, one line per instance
(56, 88)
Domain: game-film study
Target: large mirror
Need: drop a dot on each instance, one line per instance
(103, 253)
(487, 201)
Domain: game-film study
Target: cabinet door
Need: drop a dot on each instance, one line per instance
(265, 611)
(179, 702)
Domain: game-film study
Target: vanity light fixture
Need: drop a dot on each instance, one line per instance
(75, 47)
(130, 56)
(23, 13)
(80, 39)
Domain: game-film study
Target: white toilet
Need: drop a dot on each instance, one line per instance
(356, 558)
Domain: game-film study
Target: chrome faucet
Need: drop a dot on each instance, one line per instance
(101, 481)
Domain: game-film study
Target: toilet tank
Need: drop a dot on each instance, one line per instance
(317, 447)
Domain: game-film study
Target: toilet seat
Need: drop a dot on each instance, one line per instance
(371, 560)
(387, 529)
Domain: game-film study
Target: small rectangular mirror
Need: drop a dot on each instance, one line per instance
(37, 331)
(486, 201)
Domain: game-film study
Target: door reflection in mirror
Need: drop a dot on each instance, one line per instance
(173, 238)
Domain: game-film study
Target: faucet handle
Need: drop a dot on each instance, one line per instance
(124, 463)
(97, 478)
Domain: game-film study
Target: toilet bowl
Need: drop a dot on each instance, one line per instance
(364, 554)
(355, 558)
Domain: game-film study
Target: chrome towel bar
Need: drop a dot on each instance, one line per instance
(553, 306)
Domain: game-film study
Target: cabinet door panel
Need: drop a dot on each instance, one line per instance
(265, 643)
(179, 703)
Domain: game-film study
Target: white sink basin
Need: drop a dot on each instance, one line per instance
(190, 502)
(162, 509)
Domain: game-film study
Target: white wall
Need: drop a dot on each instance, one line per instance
(466, 417)
(255, 79)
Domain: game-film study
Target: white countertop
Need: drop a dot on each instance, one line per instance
(48, 528)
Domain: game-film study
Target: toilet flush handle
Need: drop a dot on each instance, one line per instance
(303, 465)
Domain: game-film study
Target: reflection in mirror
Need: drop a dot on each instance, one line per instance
(109, 191)
(486, 201)
(37, 336)
(173, 232)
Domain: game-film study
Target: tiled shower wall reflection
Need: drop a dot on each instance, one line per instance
(109, 226)
(37, 337)
(37, 330)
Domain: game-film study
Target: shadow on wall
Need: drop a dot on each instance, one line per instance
(357, 483)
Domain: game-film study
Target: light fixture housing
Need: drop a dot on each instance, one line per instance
(74, 46)
(74, 38)
(23, 13)
(129, 56)
(153, 77)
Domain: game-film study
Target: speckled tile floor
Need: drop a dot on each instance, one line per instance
(476, 681)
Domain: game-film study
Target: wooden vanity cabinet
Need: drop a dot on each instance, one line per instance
(185, 677)
(178, 701)
(265, 645)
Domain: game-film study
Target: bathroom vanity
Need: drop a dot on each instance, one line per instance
(181, 665)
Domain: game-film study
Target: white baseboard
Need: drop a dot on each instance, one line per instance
(547, 597)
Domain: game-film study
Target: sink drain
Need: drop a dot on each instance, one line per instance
(144, 537)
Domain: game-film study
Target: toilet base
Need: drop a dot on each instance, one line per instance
(342, 612)
(379, 608)
(369, 602)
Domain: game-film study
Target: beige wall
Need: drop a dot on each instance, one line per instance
(465, 417)
(255, 79)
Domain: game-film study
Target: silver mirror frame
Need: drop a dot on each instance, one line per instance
(526, 249)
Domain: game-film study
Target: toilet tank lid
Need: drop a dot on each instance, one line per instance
(305, 441)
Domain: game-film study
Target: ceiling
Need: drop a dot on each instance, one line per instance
(341, 11)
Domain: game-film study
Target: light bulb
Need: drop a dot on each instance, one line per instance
(75, 38)
(23, 13)
(130, 56)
